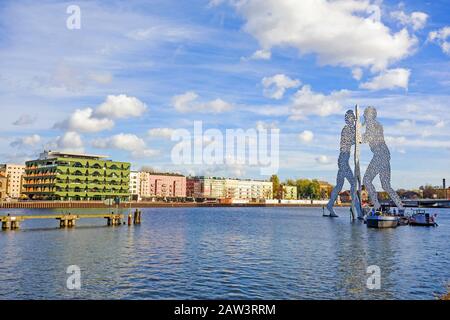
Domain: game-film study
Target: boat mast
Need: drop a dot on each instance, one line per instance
(356, 204)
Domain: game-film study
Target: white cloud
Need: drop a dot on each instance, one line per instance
(121, 106)
(306, 136)
(165, 133)
(307, 102)
(416, 20)
(389, 79)
(322, 159)
(344, 33)
(187, 102)
(29, 141)
(440, 37)
(125, 141)
(402, 141)
(440, 124)
(114, 107)
(83, 120)
(357, 73)
(275, 86)
(69, 142)
(259, 55)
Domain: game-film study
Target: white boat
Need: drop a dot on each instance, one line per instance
(381, 219)
(422, 218)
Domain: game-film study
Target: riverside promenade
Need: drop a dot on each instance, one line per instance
(140, 204)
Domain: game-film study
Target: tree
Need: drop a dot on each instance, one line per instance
(315, 189)
(275, 186)
(291, 182)
(303, 188)
(148, 169)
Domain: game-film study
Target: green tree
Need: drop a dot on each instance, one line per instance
(291, 182)
(275, 186)
(315, 189)
(303, 188)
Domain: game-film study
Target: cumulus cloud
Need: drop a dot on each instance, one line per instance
(84, 120)
(307, 102)
(306, 136)
(27, 141)
(440, 38)
(69, 142)
(188, 102)
(389, 79)
(275, 86)
(328, 29)
(416, 20)
(25, 120)
(121, 106)
(127, 142)
(165, 133)
(102, 118)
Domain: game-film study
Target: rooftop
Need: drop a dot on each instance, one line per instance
(55, 154)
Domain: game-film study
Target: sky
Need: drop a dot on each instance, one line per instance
(135, 71)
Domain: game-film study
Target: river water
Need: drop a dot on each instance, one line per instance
(224, 253)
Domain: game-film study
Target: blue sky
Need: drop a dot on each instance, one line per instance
(123, 82)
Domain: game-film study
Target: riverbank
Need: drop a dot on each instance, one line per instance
(141, 204)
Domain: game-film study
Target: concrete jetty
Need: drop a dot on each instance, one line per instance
(66, 220)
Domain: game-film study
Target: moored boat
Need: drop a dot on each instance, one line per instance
(382, 220)
(422, 218)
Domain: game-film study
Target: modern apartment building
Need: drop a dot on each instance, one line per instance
(145, 185)
(14, 174)
(72, 176)
(289, 192)
(224, 188)
(135, 185)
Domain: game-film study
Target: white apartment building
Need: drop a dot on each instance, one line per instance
(14, 174)
(224, 188)
(135, 185)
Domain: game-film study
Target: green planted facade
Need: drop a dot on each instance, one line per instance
(71, 177)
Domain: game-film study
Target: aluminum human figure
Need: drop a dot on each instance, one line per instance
(348, 136)
(380, 163)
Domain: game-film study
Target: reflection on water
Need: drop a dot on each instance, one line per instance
(224, 253)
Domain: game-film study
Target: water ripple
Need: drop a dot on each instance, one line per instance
(224, 253)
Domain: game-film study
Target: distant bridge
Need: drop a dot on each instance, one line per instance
(427, 203)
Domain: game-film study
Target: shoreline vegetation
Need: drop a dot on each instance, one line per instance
(143, 204)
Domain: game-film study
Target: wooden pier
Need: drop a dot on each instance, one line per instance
(68, 220)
